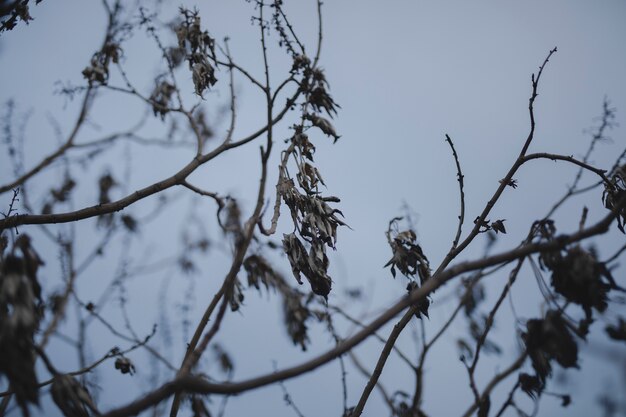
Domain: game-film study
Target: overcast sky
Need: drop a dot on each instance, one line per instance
(405, 73)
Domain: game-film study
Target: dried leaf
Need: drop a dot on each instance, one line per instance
(531, 385)
(498, 226)
(323, 124)
(124, 365)
(549, 339)
(618, 330)
(71, 397)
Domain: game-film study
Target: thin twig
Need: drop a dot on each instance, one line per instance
(491, 317)
(495, 381)
(361, 368)
(377, 335)
(460, 176)
(608, 114)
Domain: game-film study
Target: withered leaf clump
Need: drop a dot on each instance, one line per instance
(260, 272)
(614, 196)
(544, 229)
(175, 56)
(316, 223)
(314, 86)
(59, 195)
(422, 304)
(498, 226)
(295, 304)
(161, 97)
(309, 177)
(305, 147)
(20, 313)
(313, 264)
(98, 71)
(408, 256)
(124, 365)
(199, 49)
(579, 277)
(32, 261)
(300, 63)
(15, 10)
(532, 385)
(71, 397)
(296, 315)
(549, 339)
(319, 220)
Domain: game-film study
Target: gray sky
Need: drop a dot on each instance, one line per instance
(405, 73)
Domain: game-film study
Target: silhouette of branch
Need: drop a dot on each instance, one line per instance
(490, 319)
(361, 368)
(459, 176)
(495, 381)
(608, 115)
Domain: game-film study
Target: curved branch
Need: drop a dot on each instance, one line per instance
(101, 209)
(556, 157)
(118, 205)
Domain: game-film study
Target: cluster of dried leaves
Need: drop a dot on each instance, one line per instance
(297, 306)
(72, 397)
(579, 278)
(198, 48)
(315, 221)
(98, 70)
(615, 194)
(13, 11)
(21, 309)
(408, 257)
